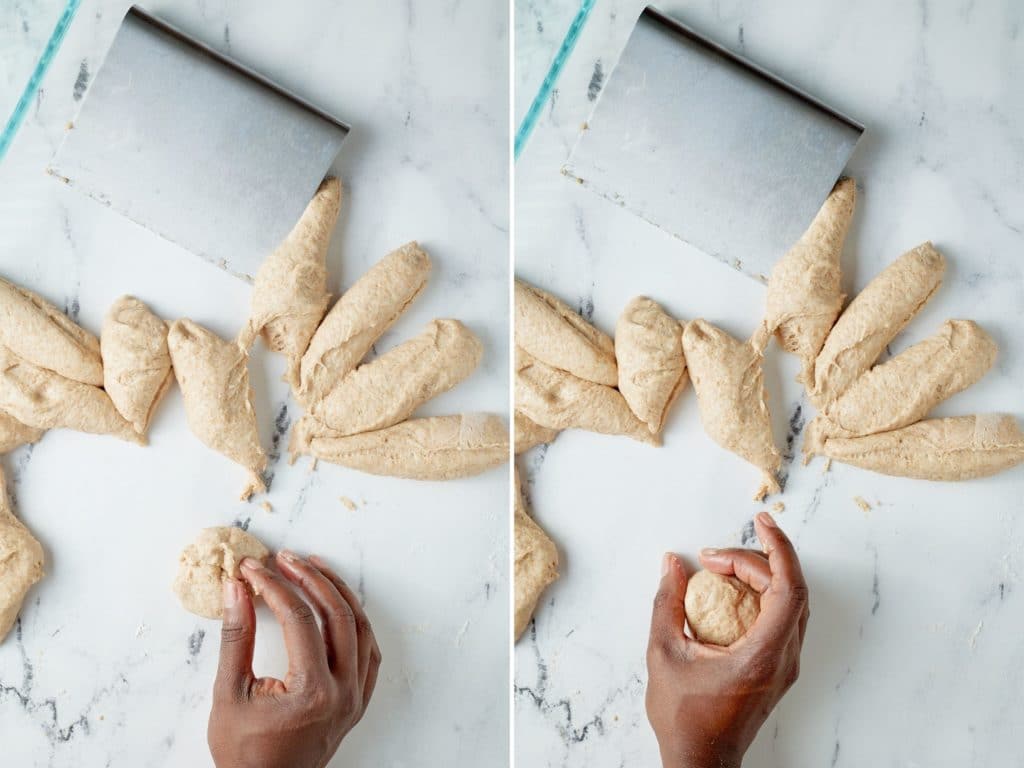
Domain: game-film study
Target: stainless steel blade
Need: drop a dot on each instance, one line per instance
(710, 147)
(196, 147)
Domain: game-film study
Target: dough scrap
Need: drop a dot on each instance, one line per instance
(289, 295)
(552, 332)
(558, 400)
(720, 609)
(206, 563)
(387, 390)
(906, 388)
(360, 317)
(13, 433)
(21, 562)
(214, 382)
(435, 448)
(529, 434)
(874, 318)
(39, 333)
(804, 295)
(652, 366)
(42, 399)
(536, 563)
(136, 362)
(957, 448)
(728, 379)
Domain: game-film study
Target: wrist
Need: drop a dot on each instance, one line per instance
(709, 756)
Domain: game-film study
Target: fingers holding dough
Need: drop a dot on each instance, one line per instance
(214, 382)
(204, 565)
(536, 563)
(729, 383)
(21, 562)
(529, 434)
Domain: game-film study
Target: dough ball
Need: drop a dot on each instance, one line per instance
(720, 609)
(204, 564)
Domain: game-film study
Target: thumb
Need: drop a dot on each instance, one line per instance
(237, 641)
(669, 615)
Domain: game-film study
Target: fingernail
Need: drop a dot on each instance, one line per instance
(232, 593)
(766, 519)
(252, 564)
(666, 563)
(709, 552)
(288, 556)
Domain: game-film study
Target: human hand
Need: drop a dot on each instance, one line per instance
(297, 722)
(706, 703)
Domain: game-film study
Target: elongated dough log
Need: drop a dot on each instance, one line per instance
(652, 366)
(360, 317)
(530, 434)
(21, 562)
(13, 433)
(40, 398)
(39, 333)
(136, 361)
(874, 318)
(906, 388)
(804, 294)
(558, 400)
(536, 563)
(729, 382)
(214, 381)
(289, 296)
(958, 448)
(552, 332)
(386, 391)
(435, 448)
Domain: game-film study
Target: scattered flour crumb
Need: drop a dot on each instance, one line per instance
(972, 641)
(778, 506)
(860, 502)
(312, 466)
(141, 630)
(267, 506)
(827, 467)
(349, 504)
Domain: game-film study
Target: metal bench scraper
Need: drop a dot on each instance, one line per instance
(195, 146)
(710, 147)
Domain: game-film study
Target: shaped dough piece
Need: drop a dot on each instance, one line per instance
(435, 448)
(652, 367)
(530, 434)
(558, 400)
(536, 563)
(360, 317)
(906, 388)
(720, 609)
(729, 383)
(958, 448)
(804, 296)
(42, 399)
(289, 296)
(215, 387)
(386, 391)
(21, 562)
(39, 333)
(13, 433)
(552, 332)
(874, 318)
(136, 362)
(206, 563)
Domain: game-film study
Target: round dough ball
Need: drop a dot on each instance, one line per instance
(204, 564)
(720, 609)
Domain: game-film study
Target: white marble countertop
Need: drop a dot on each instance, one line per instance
(913, 655)
(104, 668)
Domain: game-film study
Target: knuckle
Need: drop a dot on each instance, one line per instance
(300, 613)
(363, 629)
(229, 635)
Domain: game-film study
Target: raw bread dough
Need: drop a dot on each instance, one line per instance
(652, 367)
(550, 331)
(958, 448)
(558, 400)
(536, 563)
(729, 382)
(39, 333)
(874, 318)
(387, 390)
(136, 362)
(215, 387)
(21, 562)
(720, 609)
(289, 296)
(42, 399)
(904, 389)
(804, 296)
(530, 434)
(435, 448)
(13, 433)
(206, 563)
(360, 317)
